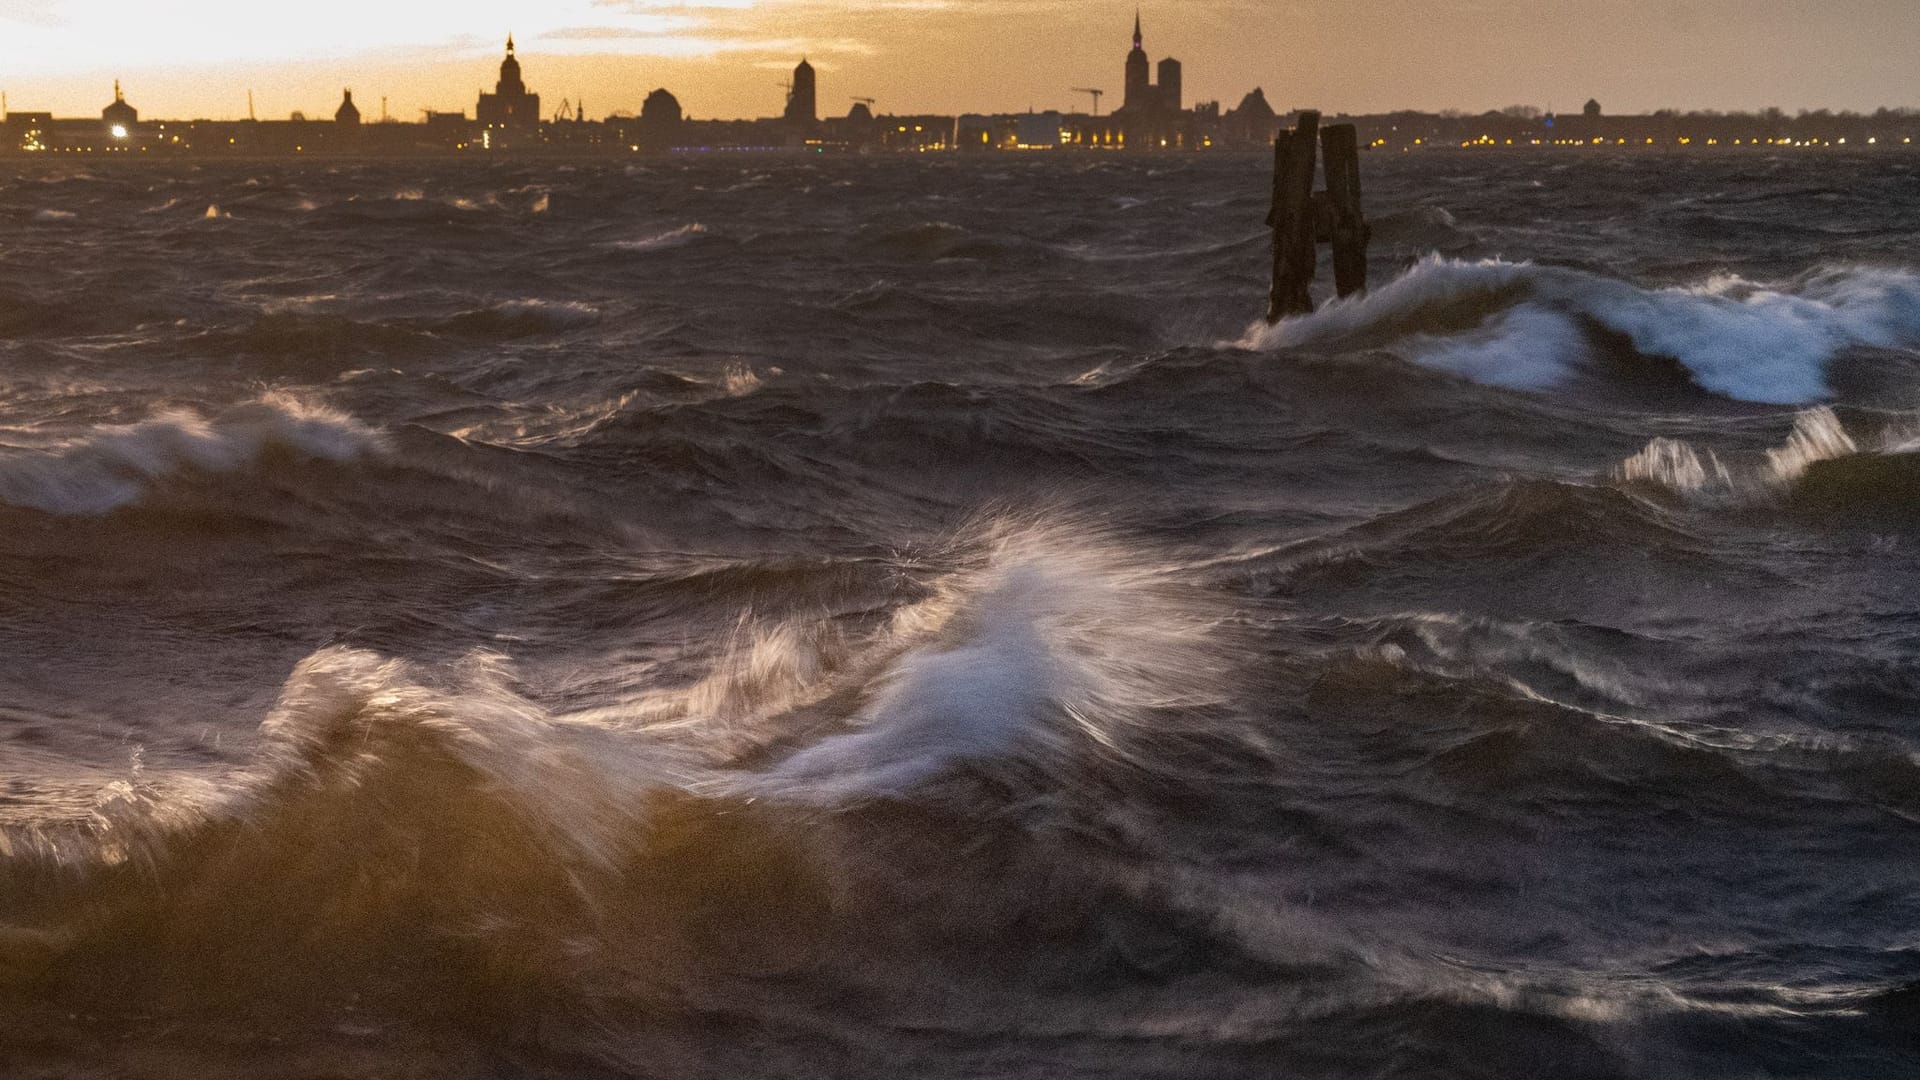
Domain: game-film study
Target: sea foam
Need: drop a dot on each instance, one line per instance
(672, 238)
(1818, 435)
(1057, 647)
(1525, 326)
(112, 466)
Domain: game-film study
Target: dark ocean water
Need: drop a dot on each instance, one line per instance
(902, 618)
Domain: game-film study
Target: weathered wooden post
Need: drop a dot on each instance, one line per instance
(1348, 230)
(1301, 219)
(1292, 218)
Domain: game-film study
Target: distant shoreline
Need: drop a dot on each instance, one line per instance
(28, 136)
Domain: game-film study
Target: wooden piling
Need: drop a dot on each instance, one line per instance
(1301, 218)
(1292, 218)
(1349, 231)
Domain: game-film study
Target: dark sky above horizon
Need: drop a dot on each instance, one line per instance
(198, 58)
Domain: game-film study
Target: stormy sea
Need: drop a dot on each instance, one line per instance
(806, 617)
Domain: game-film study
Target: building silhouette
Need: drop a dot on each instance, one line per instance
(1139, 92)
(1167, 94)
(660, 122)
(802, 106)
(1252, 122)
(1142, 97)
(1150, 116)
(119, 117)
(510, 109)
(1153, 116)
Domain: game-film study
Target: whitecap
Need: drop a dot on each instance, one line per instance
(672, 238)
(112, 466)
(1520, 324)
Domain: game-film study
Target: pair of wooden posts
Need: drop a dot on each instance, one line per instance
(1302, 218)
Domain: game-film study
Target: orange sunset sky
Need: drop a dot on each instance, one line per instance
(726, 58)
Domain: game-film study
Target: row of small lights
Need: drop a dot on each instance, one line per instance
(1683, 140)
(120, 132)
(35, 146)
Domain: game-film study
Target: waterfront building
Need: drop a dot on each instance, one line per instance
(1250, 123)
(917, 134)
(119, 118)
(28, 132)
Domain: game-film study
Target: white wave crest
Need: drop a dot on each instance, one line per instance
(1435, 295)
(1817, 436)
(109, 467)
(582, 791)
(673, 238)
(739, 380)
(1057, 647)
(1675, 465)
(1050, 649)
(1525, 348)
(559, 314)
(1520, 325)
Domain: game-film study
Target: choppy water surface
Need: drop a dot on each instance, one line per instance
(900, 618)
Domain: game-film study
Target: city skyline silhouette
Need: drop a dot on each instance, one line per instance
(199, 60)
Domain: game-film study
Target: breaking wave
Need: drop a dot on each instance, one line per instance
(388, 798)
(1367, 721)
(114, 466)
(523, 318)
(1532, 327)
(1820, 464)
(1040, 656)
(673, 238)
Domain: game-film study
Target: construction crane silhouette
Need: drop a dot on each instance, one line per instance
(867, 101)
(1096, 96)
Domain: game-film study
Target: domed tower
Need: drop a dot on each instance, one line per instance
(348, 114)
(510, 84)
(119, 117)
(802, 108)
(1139, 96)
(510, 108)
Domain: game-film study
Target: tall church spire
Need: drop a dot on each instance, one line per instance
(1139, 95)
